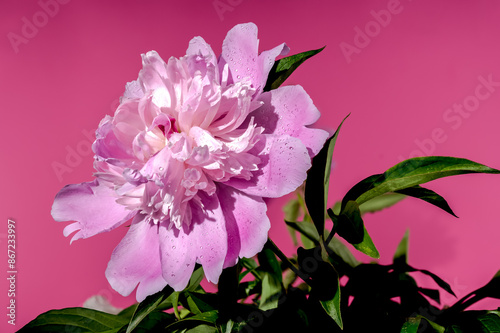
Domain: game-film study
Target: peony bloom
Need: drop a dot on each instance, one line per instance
(193, 148)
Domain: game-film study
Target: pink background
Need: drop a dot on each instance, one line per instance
(398, 87)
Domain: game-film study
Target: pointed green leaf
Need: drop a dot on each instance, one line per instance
(75, 320)
(367, 246)
(440, 282)
(332, 307)
(284, 67)
(374, 205)
(147, 306)
(317, 182)
(401, 254)
(412, 172)
(195, 279)
(427, 195)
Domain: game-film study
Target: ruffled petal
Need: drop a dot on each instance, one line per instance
(136, 260)
(247, 224)
(283, 167)
(287, 111)
(92, 205)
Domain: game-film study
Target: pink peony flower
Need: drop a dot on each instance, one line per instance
(189, 155)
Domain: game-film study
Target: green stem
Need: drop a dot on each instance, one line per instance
(270, 244)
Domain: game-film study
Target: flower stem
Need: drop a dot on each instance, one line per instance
(273, 247)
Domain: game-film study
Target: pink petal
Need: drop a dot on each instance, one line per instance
(153, 71)
(204, 242)
(136, 260)
(99, 213)
(198, 46)
(287, 111)
(283, 167)
(240, 51)
(247, 224)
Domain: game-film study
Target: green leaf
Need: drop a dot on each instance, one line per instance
(335, 245)
(147, 306)
(317, 183)
(195, 279)
(490, 322)
(401, 254)
(292, 212)
(412, 172)
(376, 204)
(411, 325)
(209, 317)
(350, 226)
(271, 292)
(269, 263)
(427, 195)
(75, 320)
(332, 307)
(367, 246)
(284, 67)
(195, 304)
(154, 322)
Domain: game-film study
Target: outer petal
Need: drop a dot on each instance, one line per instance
(240, 51)
(247, 224)
(283, 167)
(205, 242)
(136, 260)
(99, 213)
(287, 111)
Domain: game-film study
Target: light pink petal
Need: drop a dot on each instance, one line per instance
(153, 71)
(136, 260)
(247, 224)
(287, 111)
(92, 205)
(240, 52)
(283, 167)
(198, 46)
(204, 242)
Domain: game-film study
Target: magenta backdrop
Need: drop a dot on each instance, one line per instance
(403, 69)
